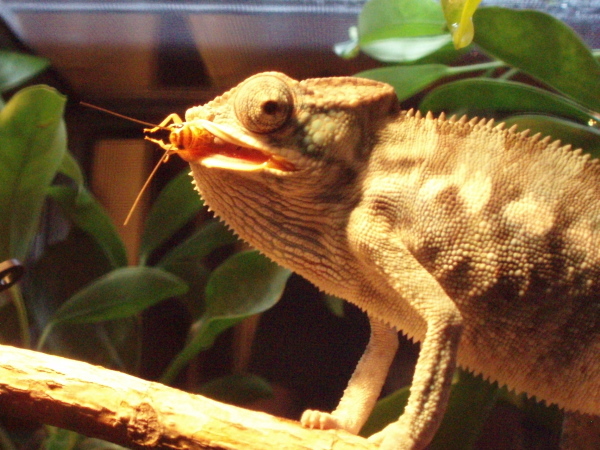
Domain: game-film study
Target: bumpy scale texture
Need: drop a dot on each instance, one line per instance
(480, 242)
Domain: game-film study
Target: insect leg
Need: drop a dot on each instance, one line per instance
(163, 145)
(165, 123)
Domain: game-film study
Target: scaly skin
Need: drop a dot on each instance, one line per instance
(479, 242)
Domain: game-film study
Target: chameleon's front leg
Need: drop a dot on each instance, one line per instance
(429, 390)
(410, 291)
(365, 385)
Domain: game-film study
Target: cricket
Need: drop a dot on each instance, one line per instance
(184, 137)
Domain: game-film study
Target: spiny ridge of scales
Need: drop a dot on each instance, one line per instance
(490, 124)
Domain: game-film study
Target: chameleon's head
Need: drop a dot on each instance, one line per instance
(278, 159)
(273, 124)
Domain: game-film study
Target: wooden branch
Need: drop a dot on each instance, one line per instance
(135, 413)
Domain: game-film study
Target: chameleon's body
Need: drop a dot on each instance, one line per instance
(479, 242)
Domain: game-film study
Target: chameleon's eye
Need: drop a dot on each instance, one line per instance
(264, 104)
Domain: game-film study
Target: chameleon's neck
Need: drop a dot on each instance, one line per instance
(306, 234)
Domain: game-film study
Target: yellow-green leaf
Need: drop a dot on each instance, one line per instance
(459, 17)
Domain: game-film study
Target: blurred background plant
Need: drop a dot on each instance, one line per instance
(79, 297)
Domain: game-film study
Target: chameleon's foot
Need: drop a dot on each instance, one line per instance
(394, 437)
(321, 420)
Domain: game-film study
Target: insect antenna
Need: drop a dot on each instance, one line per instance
(163, 158)
(123, 116)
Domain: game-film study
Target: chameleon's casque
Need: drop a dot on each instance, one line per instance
(480, 242)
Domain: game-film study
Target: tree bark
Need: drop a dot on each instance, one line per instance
(135, 413)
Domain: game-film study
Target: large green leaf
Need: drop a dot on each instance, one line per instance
(178, 202)
(65, 268)
(212, 235)
(501, 95)
(70, 167)
(579, 136)
(470, 403)
(82, 208)
(16, 68)
(32, 145)
(245, 284)
(408, 80)
(386, 411)
(188, 261)
(118, 294)
(401, 30)
(542, 46)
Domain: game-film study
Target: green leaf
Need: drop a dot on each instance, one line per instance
(543, 47)
(334, 304)
(212, 235)
(485, 95)
(245, 284)
(64, 268)
(61, 439)
(237, 389)
(32, 145)
(408, 80)
(459, 18)
(70, 167)
(85, 212)
(16, 68)
(386, 411)
(188, 261)
(179, 202)
(579, 136)
(471, 401)
(401, 30)
(120, 293)
(405, 50)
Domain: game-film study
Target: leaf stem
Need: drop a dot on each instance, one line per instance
(44, 336)
(17, 300)
(191, 349)
(508, 74)
(457, 70)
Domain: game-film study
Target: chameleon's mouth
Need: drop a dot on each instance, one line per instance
(230, 150)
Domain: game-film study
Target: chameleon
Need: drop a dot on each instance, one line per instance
(480, 242)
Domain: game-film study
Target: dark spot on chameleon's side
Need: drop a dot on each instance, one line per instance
(556, 247)
(459, 279)
(448, 200)
(541, 280)
(427, 255)
(501, 297)
(578, 332)
(502, 196)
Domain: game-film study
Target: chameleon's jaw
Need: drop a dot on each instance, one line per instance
(233, 151)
